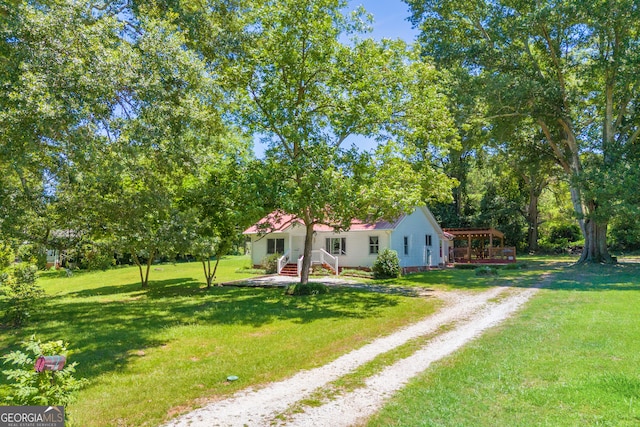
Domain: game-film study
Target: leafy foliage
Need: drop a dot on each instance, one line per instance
(28, 387)
(305, 92)
(7, 256)
(23, 294)
(386, 265)
(565, 71)
(34, 254)
(270, 263)
(97, 256)
(305, 289)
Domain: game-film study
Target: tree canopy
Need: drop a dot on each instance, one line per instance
(306, 91)
(567, 66)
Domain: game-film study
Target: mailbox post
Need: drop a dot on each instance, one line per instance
(50, 363)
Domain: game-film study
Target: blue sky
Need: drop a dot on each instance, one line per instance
(390, 18)
(390, 21)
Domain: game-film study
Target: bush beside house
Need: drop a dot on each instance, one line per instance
(386, 265)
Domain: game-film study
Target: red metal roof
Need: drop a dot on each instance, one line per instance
(278, 222)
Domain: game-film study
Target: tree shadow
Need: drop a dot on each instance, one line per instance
(107, 333)
(184, 286)
(564, 276)
(594, 278)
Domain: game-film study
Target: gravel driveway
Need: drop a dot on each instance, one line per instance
(469, 313)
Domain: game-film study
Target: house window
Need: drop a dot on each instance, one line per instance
(406, 245)
(427, 240)
(374, 245)
(337, 245)
(275, 246)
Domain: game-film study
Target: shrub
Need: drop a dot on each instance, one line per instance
(486, 271)
(23, 294)
(308, 289)
(97, 257)
(48, 388)
(387, 265)
(270, 263)
(320, 270)
(625, 232)
(33, 254)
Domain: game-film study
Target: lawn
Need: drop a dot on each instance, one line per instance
(150, 354)
(570, 358)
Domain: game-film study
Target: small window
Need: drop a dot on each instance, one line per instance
(427, 240)
(337, 245)
(275, 246)
(374, 245)
(406, 245)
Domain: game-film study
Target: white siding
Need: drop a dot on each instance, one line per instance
(415, 227)
(259, 246)
(357, 245)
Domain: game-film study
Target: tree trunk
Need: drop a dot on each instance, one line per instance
(532, 219)
(139, 264)
(595, 239)
(206, 266)
(208, 274)
(306, 261)
(144, 276)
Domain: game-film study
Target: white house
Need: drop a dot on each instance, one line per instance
(417, 238)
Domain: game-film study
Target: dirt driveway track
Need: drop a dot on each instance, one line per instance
(466, 314)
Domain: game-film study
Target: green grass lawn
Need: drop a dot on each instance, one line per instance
(150, 354)
(571, 358)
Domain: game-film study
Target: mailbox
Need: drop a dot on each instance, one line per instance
(50, 363)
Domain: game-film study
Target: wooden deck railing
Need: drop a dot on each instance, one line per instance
(487, 255)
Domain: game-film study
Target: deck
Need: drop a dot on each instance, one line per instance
(479, 246)
(503, 255)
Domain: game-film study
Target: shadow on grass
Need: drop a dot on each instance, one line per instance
(157, 289)
(619, 277)
(108, 332)
(565, 276)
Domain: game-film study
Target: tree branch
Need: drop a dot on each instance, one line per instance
(272, 126)
(556, 149)
(556, 63)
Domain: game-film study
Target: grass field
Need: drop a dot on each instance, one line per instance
(152, 354)
(570, 358)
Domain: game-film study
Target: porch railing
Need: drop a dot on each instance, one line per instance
(321, 257)
(486, 255)
(283, 260)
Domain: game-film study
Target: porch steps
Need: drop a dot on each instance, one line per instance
(290, 270)
(328, 267)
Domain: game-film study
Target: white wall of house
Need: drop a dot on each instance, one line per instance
(359, 250)
(409, 240)
(259, 245)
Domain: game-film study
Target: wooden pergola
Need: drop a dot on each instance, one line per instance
(481, 246)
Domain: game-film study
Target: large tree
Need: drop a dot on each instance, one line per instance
(570, 67)
(58, 72)
(306, 90)
(220, 200)
(128, 186)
